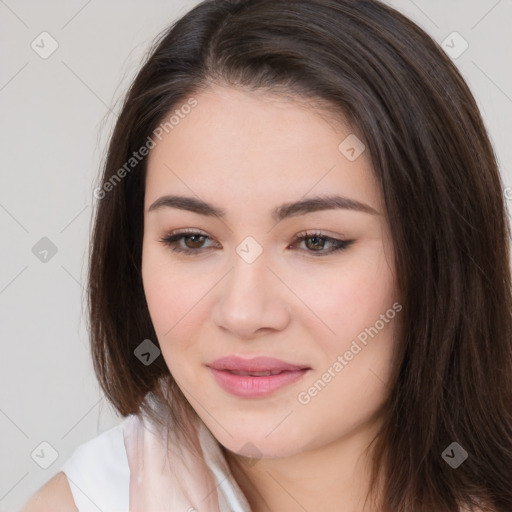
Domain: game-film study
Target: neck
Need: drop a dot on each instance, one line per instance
(316, 479)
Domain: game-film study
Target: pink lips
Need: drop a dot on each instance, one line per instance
(256, 377)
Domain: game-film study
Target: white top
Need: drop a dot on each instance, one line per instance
(98, 473)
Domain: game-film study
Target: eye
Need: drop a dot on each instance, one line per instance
(317, 241)
(193, 242)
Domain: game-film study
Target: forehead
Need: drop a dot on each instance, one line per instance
(237, 142)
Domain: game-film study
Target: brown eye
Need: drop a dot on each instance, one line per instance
(315, 243)
(193, 242)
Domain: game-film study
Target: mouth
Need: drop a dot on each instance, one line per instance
(255, 374)
(256, 377)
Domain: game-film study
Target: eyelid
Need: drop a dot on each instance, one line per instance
(339, 243)
(174, 237)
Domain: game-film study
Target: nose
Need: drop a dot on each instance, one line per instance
(252, 300)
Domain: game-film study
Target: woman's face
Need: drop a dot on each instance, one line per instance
(249, 173)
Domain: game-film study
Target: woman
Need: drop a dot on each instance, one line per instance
(299, 277)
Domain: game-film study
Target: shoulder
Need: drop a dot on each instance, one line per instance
(55, 495)
(96, 476)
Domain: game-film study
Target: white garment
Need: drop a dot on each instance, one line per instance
(98, 472)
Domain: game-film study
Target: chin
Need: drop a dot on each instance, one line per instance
(256, 443)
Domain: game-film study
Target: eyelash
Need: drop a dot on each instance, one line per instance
(172, 239)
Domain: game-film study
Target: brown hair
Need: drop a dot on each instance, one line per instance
(443, 195)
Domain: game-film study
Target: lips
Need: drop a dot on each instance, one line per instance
(254, 365)
(256, 377)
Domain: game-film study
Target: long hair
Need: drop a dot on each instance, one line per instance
(444, 200)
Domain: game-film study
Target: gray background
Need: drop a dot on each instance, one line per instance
(56, 117)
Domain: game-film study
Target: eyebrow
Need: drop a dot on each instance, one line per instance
(286, 210)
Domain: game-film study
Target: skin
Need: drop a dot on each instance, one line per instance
(248, 152)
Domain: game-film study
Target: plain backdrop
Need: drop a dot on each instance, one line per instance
(56, 113)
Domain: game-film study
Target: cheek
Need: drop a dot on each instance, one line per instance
(347, 300)
(170, 294)
(175, 309)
